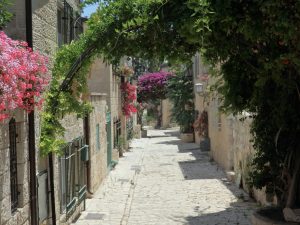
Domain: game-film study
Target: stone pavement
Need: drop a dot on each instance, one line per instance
(163, 181)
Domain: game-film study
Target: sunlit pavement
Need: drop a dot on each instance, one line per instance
(163, 181)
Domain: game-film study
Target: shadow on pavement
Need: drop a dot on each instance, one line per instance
(234, 214)
(200, 167)
(172, 133)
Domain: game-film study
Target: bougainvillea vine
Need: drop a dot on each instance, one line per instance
(128, 98)
(152, 86)
(23, 76)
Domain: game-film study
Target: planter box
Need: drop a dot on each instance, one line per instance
(205, 144)
(187, 137)
(144, 133)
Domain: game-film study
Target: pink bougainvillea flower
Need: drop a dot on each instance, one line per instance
(152, 86)
(128, 98)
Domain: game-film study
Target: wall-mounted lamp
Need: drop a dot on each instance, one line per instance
(199, 88)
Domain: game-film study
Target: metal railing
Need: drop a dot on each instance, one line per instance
(73, 175)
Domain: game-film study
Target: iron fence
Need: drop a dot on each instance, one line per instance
(73, 175)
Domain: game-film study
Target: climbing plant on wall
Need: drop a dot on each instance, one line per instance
(128, 92)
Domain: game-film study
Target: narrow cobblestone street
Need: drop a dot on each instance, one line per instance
(162, 181)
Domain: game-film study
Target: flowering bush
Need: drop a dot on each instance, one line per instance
(152, 86)
(201, 124)
(128, 98)
(21, 76)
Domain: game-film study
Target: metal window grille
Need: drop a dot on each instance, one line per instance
(67, 166)
(117, 132)
(13, 165)
(66, 27)
(73, 175)
(68, 23)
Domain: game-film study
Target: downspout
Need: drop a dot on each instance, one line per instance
(51, 177)
(86, 126)
(31, 130)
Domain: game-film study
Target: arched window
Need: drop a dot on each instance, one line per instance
(13, 164)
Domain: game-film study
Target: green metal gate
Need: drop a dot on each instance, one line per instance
(109, 144)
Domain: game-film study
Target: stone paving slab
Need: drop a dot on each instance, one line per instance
(163, 181)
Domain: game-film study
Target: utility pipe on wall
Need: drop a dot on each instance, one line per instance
(31, 129)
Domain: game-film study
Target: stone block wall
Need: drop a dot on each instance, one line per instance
(243, 154)
(166, 113)
(98, 151)
(21, 215)
(243, 149)
(44, 27)
(220, 134)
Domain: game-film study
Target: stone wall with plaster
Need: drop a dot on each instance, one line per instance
(98, 151)
(21, 215)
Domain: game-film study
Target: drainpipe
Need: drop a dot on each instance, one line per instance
(88, 163)
(52, 197)
(31, 130)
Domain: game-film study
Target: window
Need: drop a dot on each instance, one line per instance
(73, 175)
(13, 165)
(69, 24)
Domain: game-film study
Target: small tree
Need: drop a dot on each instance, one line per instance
(180, 92)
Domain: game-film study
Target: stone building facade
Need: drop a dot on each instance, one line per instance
(98, 142)
(44, 23)
(102, 80)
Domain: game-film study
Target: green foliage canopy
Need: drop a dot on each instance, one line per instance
(254, 44)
